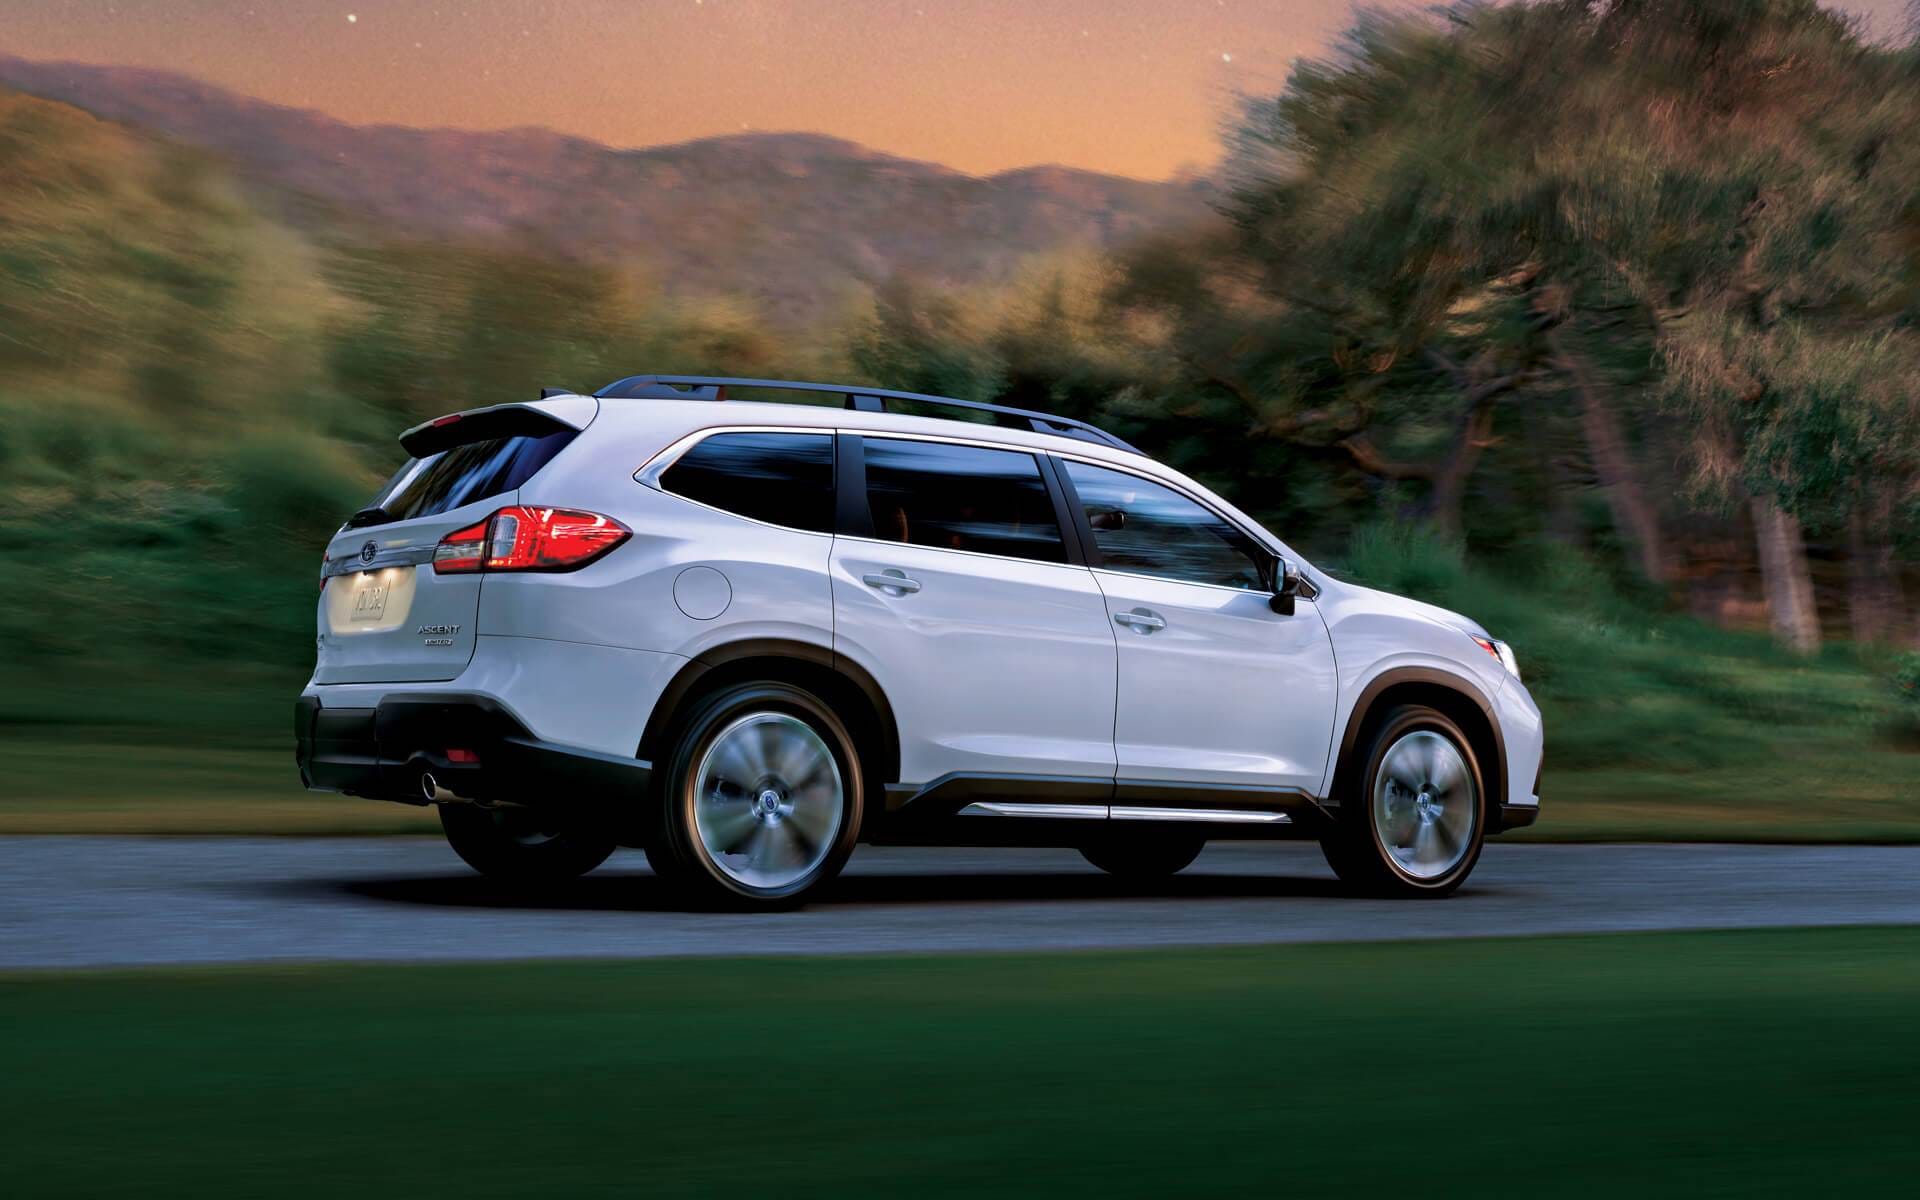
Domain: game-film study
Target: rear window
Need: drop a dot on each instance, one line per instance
(460, 475)
(780, 478)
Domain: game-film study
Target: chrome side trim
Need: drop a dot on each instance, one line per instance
(1010, 808)
(1220, 816)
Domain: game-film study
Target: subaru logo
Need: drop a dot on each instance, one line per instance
(368, 551)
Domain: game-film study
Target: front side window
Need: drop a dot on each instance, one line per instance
(961, 498)
(780, 478)
(1149, 529)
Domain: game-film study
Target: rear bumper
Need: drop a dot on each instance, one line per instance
(381, 752)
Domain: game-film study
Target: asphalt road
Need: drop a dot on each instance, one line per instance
(73, 901)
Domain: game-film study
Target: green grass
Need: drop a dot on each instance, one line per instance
(1832, 796)
(1774, 1063)
(107, 782)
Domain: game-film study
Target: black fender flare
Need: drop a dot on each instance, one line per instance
(1496, 771)
(690, 677)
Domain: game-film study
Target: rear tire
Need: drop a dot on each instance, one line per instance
(520, 845)
(761, 801)
(1414, 819)
(1143, 857)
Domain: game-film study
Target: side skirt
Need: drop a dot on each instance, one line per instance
(980, 809)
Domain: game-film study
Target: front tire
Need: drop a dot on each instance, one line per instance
(761, 801)
(1414, 820)
(520, 845)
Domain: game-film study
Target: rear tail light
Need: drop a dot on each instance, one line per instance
(529, 539)
(550, 539)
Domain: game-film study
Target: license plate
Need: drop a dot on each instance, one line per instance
(370, 601)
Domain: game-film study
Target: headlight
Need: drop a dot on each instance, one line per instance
(1501, 651)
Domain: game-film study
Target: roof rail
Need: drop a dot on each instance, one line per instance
(863, 399)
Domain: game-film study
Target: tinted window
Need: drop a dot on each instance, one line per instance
(1153, 530)
(780, 478)
(466, 473)
(961, 498)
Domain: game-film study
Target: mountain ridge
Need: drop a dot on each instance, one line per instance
(796, 220)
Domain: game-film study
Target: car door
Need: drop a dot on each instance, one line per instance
(1214, 686)
(953, 587)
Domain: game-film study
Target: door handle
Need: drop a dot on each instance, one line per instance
(891, 580)
(1141, 622)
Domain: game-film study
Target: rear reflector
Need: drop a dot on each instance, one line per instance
(462, 756)
(529, 539)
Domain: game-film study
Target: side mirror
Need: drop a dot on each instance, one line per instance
(1111, 519)
(1286, 587)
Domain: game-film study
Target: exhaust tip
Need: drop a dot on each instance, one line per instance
(431, 789)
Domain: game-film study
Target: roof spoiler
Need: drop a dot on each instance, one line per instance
(566, 410)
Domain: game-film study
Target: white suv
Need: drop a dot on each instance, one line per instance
(747, 635)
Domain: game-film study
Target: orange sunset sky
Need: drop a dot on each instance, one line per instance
(1136, 87)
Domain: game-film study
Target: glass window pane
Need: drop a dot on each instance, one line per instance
(1148, 529)
(961, 498)
(780, 478)
(466, 473)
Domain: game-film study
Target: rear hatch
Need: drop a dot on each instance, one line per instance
(384, 615)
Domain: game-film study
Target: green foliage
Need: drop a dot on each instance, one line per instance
(1620, 683)
(918, 341)
(1412, 560)
(291, 484)
(1905, 679)
(192, 396)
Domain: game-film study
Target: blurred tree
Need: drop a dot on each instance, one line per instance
(1391, 267)
(921, 340)
(1768, 248)
(1504, 204)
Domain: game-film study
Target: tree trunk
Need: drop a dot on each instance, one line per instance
(1634, 516)
(1450, 478)
(1875, 607)
(1563, 517)
(1784, 576)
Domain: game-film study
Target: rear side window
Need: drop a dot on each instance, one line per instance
(780, 478)
(465, 473)
(961, 498)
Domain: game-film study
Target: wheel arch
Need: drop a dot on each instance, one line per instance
(845, 685)
(1448, 693)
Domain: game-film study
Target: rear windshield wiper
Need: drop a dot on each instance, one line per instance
(374, 515)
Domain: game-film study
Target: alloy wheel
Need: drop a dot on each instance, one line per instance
(1425, 804)
(768, 800)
